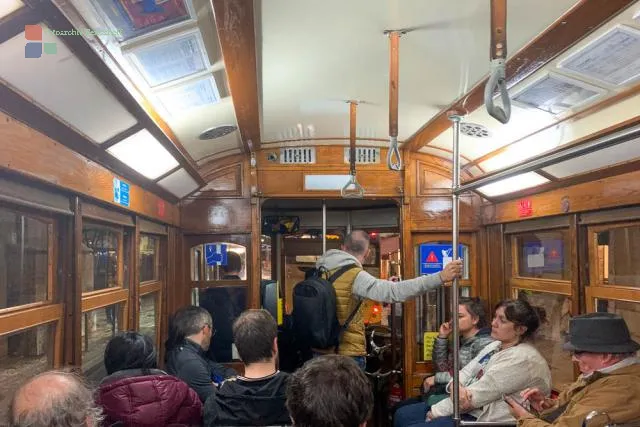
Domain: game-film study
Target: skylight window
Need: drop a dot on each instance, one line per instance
(613, 58)
(142, 152)
(556, 94)
(184, 97)
(513, 184)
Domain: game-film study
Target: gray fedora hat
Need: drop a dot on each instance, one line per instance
(600, 333)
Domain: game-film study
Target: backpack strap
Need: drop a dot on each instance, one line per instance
(332, 279)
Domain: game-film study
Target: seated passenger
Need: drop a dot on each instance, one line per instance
(330, 391)
(258, 397)
(190, 332)
(474, 336)
(609, 381)
(136, 393)
(505, 367)
(54, 398)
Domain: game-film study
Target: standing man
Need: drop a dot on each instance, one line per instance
(357, 284)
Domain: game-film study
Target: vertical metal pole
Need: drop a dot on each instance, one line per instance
(348, 222)
(324, 226)
(455, 119)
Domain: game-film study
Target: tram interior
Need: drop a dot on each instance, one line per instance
(143, 144)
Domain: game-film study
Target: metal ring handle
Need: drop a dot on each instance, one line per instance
(498, 81)
(394, 151)
(358, 191)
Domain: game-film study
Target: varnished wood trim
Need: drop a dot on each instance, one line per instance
(236, 33)
(17, 321)
(610, 215)
(94, 300)
(14, 23)
(610, 292)
(255, 267)
(99, 213)
(149, 288)
(31, 196)
(535, 225)
(580, 21)
(576, 274)
(150, 227)
(540, 285)
(91, 59)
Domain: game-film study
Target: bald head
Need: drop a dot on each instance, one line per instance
(54, 398)
(357, 244)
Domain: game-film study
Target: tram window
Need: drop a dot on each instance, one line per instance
(544, 255)
(225, 261)
(619, 256)
(101, 250)
(225, 305)
(149, 258)
(628, 310)
(22, 355)
(97, 328)
(149, 314)
(265, 257)
(552, 333)
(26, 259)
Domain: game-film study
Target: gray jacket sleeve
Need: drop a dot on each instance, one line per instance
(441, 360)
(367, 286)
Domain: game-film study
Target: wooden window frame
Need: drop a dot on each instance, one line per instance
(157, 286)
(119, 230)
(237, 239)
(158, 264)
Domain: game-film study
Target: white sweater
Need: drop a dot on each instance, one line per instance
(489, 376)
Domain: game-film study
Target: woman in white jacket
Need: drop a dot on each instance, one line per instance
(503, 368)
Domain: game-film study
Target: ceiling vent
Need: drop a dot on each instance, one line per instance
(556, 94)
(297, 155)
(474, 130)
(364, 155)
(612, 58)
(217, 132)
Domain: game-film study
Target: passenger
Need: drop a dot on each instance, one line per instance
(136, 393)
(54, 398)
(474, 336)
(357, 283)
(258, 397)
(330, 391)
(609, 381)
(505, 367)
(190, 333)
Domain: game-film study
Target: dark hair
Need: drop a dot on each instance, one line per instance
(253, 334)
(356, 242)
(234, 263)
(130, 350)
(475, 307)
(329, 391)
(521, 313)
(186, 321)
(69, 402)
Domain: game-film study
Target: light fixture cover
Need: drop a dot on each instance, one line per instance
(142, 152)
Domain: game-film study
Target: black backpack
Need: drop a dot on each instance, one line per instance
(315, 316)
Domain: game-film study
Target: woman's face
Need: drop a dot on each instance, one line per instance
(503, 329)
(466, 322)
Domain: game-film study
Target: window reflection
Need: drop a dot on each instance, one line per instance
(100, 250)
(225, 305)
(544, 255)
(218, 261)
(98, 327)
(25, 259)
(22, 355)
(149, 257)
(619, 256)
(148, 315)
(551, 334)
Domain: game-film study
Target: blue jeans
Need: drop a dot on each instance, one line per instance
(410, 414)
(361, 361)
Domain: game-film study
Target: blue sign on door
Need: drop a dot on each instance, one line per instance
(121, 192)
(434, 256)
(216, 254)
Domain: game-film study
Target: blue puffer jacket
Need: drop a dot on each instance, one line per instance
(469, 348)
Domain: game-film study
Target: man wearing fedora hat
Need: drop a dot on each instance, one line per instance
(609, 382)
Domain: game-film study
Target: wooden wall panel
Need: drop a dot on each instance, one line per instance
(603, 193)
(434, 213)
(226, 216)
(226, 182)
(35, 155)
(495, 287)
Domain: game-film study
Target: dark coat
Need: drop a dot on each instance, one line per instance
(130, 398)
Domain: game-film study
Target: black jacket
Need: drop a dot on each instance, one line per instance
(188, 362)
(243, 401)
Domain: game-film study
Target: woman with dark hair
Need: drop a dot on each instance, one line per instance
(505, 367)
(136, 393)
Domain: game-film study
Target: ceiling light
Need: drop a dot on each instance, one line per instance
(9, 6)
(510, 185)
(143, 153)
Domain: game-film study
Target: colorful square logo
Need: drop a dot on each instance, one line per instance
(35, 46)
